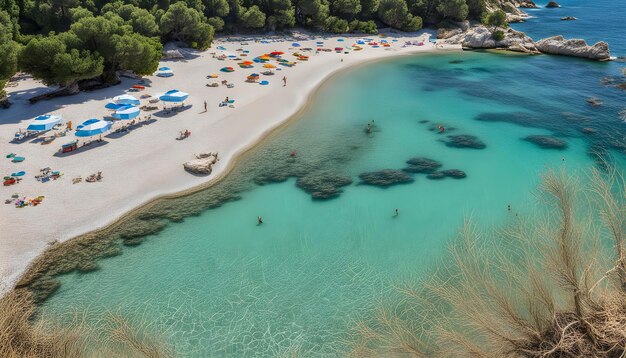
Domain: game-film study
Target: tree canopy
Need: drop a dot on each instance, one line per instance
(64, 41)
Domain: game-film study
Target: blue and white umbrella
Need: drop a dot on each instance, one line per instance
(114, 106)
(295, 44)
(92, 127)
(165, 72)
(126, 99)
(44, 123)
(126, 112)
(174, 96)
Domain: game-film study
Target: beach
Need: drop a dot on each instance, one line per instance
(146, 162)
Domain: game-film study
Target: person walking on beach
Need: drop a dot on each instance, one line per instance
(284, 81)
(205, 109)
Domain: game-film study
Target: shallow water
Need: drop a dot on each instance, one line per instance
(218, 284)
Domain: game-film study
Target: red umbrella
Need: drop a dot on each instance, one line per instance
(277, 53)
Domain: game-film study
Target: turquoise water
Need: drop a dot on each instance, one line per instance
(218, 284)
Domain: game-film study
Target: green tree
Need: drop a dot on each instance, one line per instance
(496, 19)
(49, 59)
(336, 25)
(347, 9)
(9, 50)
(369, 8)
(282, 14)
(141, 20)
(253, 18)
(78, 13)
(395, 13)
(216, 22)
(216, 8)
(456, 10)
(476, 8)
(185, 24)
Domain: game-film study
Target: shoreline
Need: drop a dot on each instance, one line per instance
(224, 167)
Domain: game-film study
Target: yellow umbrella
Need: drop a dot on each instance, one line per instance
(213, 76)
(269, 65)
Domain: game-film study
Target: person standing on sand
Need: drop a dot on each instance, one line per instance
(205, 109)
(284, 81)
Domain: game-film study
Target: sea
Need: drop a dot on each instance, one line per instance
(344, 216)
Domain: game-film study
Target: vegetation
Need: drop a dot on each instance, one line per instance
(22, 336)
(65, 42)
(550, 287)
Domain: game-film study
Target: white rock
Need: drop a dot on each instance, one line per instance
(203, 164)
(557, 45)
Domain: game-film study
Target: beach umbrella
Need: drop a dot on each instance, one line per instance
(276, 53)
(114, 106)
(126, 112)
(174, 96)
(165, 72)
(295, 44)
(92, 127)
(340, 40)
(44, 123)
(126, 99)
(264, 83)
(269, 65)
(227, 69)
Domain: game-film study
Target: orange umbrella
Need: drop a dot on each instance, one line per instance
(248, 62)
(269, 65)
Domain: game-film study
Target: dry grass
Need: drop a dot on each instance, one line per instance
(23, 336)
(553, 286)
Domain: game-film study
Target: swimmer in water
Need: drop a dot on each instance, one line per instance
(260, 220)
(369, 128)
(441, 128)
(396, 213)
(293, 154)
(509, 207)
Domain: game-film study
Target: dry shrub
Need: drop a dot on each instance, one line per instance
(551, 286)
(22, 335)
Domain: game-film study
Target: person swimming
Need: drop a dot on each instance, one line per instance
(396, 213)
(293, 154)
(369, 128)
(441, 128)
(259, 220)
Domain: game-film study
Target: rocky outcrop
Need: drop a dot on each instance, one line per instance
(552, 4)
(526, 4)
(421, 165)
(558, 45)
(568, 18)
(546, 141)
(464, 141)
(480, 37)
(385, 178)
(203, 164)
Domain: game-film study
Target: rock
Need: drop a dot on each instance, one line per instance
(588, 130)
(546, 141)
(594, 102)
(527, 5)
(385, 178)
(558, 45)
(448, 173)
(552, 4)
(454, 173)
(444, 33)
(568, 18)
(421, 165)
(203, 164)
(464, 141)
(323, 185)
(436, 176)
(481, 37)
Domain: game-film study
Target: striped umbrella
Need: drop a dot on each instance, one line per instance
(114, 106)
(126, 112)
(44, 123)
(174, 96)
(92, 127)
(126, 99)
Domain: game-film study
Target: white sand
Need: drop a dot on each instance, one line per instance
(146, 163)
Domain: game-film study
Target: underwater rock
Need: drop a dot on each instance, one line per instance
(385, 178)
(271, 177)
(588, 130)
(594, 102)
(448, 173)
(87, 266)
(436, 175)
(454, 173)
(464, 141)
(546, 141)
(455, 62)
(141, 228)
(424, 121)
(422, 165)
(323, 185)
